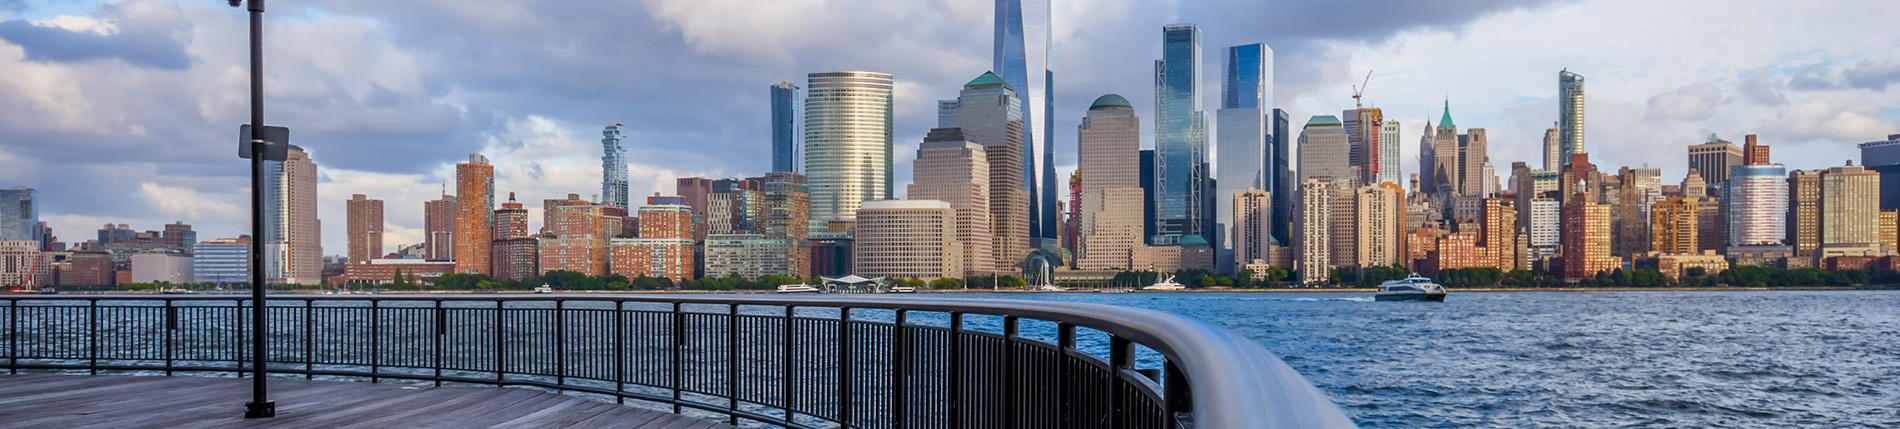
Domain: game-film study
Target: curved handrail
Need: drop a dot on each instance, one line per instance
(1235, 382)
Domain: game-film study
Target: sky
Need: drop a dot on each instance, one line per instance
(126, 111)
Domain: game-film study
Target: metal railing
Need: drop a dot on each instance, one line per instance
(788, 361)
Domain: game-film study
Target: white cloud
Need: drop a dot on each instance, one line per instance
(1837, 121)
(1690, 103)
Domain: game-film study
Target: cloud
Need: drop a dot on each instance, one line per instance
(1693, 102)
(145, 34)
(1818, 119)
(1865, 74)
(1761, 88)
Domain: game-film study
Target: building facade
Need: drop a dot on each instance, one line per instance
(1021, 58)
(1252, 225)
(670, 258)
(474, 221)
(1569, 115)
(906, 239)
(19, 213)
(1712, 160)
(613, 166)
(751, 256)
(438, 227)
(1850, 206)
(1180, 137)
(1756, 201)
(989, 113)
(784, 127)
(364, 228)
(1241, 141)
(848, 137)
(1673, 226)
(1325, 154)
(222, 261)
(951, 169)
(1884, 157)
(1313, 240)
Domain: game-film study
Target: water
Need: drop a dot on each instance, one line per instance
(1553, 359)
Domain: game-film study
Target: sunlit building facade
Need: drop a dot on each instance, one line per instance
(848, 137)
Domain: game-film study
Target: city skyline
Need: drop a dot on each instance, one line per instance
(1815, 104)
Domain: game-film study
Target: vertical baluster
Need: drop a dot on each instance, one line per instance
(1178, 396)
(1010, 374)
(309, 339)
(560, 345)
(375, 340)
(92, 340)
(1065, 341)
(956, 370)
(500, 359)
(900, 382)
(171, 327)
(679, 342)
(13, 336)
(790, 383)
(441, 328)
(1121, 356)
(620, 354)
(844, 366)
(732, 364)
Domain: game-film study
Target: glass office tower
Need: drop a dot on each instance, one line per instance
(613, 166)
(1569, 115)
(847, 142)
(1180, 137)
(1021, 58)
(1241, 153)
(784, 127)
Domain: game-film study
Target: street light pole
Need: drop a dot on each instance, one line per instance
(260, 406)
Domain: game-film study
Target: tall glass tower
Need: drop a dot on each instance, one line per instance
(1021, 58)
(1280, 177)
(18, 215)
(613, 167)
(848, 157)
(1569, 115)
(1180, 137)
(1241, 141)
(785, 127)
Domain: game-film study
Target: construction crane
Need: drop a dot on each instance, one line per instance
(1360, 90)
(26, 284)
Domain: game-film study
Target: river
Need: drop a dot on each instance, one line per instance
(1567, 359)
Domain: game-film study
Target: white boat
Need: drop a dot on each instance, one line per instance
(1166, 283)
(903, 289)
(1052, 288)
(797, 288)
(174, 290)
(543, 289)
(1411, 288)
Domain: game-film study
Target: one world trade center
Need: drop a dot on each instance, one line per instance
(1022, 60)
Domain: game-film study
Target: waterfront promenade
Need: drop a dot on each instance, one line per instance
(76, 401)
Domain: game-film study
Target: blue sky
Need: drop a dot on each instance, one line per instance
(122, 111)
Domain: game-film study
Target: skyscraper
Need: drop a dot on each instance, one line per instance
(1474, 157)
(1447, 172)
(1757, 204)
(848, 126)
(1325, 154)
(786, 214)
(989, 114)
(18, 215)
(784, 127)
(1180, 136)
(1884, 157)
(1108, 152)
(906, 239)
(1586, 237)
(951, 169)
(1804, 212)
(1850, 214)
(1553, 150)
(1251, 235)
(295, 244)
(1753, 153)
(1021, 58)
(513, 254)
(1242, 151)
(1363, 129)
(474, 220)
(613, 167)
(1388, 153)
(365, 228)
(1279, 179)
(1673, 226)
(1569, 114)
(1313, 239)
(438, 224)
(1712, 160)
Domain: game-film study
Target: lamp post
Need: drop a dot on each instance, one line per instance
(260, 406)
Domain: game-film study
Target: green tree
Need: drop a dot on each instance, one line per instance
(946, 283)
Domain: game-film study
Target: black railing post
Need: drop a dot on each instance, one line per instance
(732, 364)
(171, 329)
(92, 339)
(956, 370)
(620, 354)
(13, 336)
(309, 339)
(900, 382)
(1121, 356)
(260, 406)
(501, 308)
(791, 383)
(1065, 341)
(375, 340)
(1177, 396)
(560, 345)
(441, 329)
(1010, 382)
(844, 367)
(679, 342)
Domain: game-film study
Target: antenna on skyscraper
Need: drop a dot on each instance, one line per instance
(1360, 90)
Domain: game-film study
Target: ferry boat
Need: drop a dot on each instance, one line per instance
(797, 288)
(1411, 288)
(1166, 283)
(543, 288)
(903, 289)
(1052, 288)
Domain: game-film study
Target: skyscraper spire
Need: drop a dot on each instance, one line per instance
(1444, 123)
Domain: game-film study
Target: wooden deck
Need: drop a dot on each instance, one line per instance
(78, 401)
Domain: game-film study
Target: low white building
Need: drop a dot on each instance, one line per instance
(162, 267)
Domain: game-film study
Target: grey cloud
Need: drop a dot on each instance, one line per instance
(1871, 75)
(1762, 88)
(1694, 102)
(149, 41)
(1814, 78)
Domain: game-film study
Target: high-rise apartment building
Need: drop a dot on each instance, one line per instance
(438, 227)
(1756, 201)
(1569, 114)
(1363, 141)
(18, 215)
(751, 256)
(1884, 157)
(905, 239)
(613, 167)
(1251, 231)
(1388, 165)
(670, 258)
(989, 114)
(178, 236)
(1753, 153)
(578, 242)
(1325, 154)
(1553, 150)
(1180, 137)
(848, 132)
(1712, 160)
(1850, 210)
(1021, 58)
(785, 214)
(294, 253)
(1673, 226)
(1379, 213)
(784, 127)
(364, 228)
(1586, 237)
(1638, 190)
(1474, 164)
(1241, 150)
(474, 220)
(514, 253)
(1312, 240)
(951, 169)
(1804, 212)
